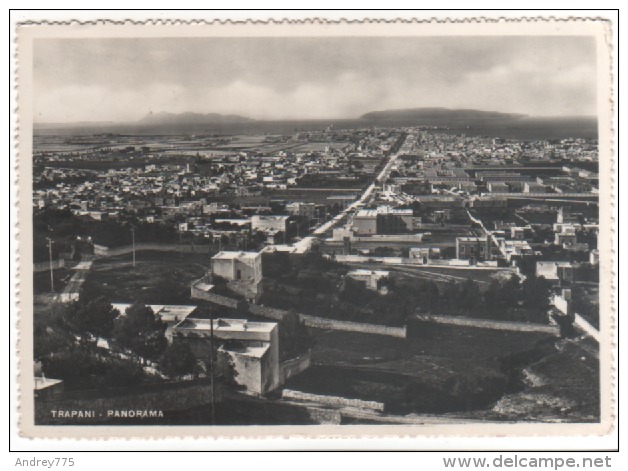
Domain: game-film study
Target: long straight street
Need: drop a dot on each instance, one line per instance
(362, 200)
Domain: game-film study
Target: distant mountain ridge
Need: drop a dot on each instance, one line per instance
(438, 114)
(423, 115)
(475, 122)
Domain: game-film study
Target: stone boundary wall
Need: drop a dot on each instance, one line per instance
(585, 326)
(43, 266)
(293, 367)
(310, 321)
(102, 251)
(332, 324)
(438, 263)
(332, 400)
(492, 324)
(435, 226)
(197, 293)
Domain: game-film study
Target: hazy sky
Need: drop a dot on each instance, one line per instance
(124, 79)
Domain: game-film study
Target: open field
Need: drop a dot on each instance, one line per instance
(454, 369)
(483, 277)
(41, 280)
(318, 196)
(164, 277)
(440, 275)
(320, 146)
(561, 386)
(473, 373)
(258, 143)
(255, 142)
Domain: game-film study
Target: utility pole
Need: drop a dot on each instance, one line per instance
(133, 236)
(52, 278)
(211, 365)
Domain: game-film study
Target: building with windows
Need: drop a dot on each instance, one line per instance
(555, 270)
(261, 222)
(247, 352)
(301, 209)
(167, 313)
(238, 266)
(534, 187)
(383, 220)
(473, 248)
(372, 278)
(566, 237)
(423, 255)
(244, 191)
(497, 187)
(365, 222)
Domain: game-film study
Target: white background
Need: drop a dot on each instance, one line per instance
(123, 461)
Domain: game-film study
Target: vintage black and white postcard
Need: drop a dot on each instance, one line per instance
(315, 229)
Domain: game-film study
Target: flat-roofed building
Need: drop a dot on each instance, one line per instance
(248, 352)
(497, 187)
(520, 232)
(567, 235)
(565, 239)
(534, 187)
(261, 222)
(562, 302)
(167, 313)
(473, 248)
(365, 222)
(423, 255)
(371, 278)
(383, 220)
(555, 270)
(238, 266)
(565, 216)
(301, 209)
(488, 202)
(441, 215)
(393, 220)
(515, 248)
(244, 191)
(48, 388)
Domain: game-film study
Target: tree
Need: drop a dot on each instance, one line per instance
(536, 293)
(177, 360)
(122, 373)
(511, 292)
(470, 297)
(354, 291)
(431, 298)
(167, 290)
(294, 337)
(139, 331)
(449, 298)
(82, 367)
(51, 333)
(96, 316)
(501, 297)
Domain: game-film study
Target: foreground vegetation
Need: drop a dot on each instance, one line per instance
(314, 285)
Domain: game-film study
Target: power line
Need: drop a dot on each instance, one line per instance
(133, 238)
(52, 279)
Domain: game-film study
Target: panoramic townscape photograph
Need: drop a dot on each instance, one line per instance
(288, 230)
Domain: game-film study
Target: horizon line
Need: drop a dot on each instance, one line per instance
(352, 118)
